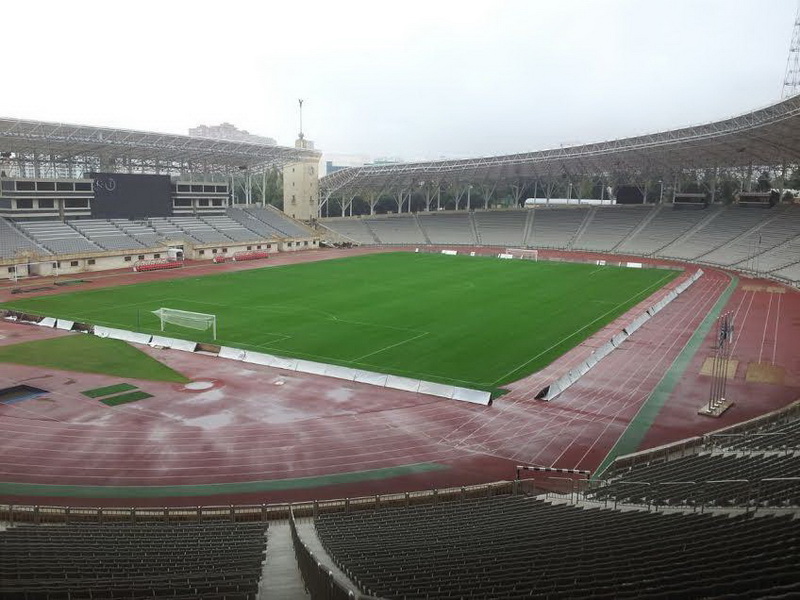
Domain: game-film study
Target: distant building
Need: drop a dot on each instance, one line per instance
(229, 132)
(332, 168)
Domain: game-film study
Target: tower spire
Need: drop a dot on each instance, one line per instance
(300, 101)
(791, 81)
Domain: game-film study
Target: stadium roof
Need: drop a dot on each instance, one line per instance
(762, 138)
(58, 146)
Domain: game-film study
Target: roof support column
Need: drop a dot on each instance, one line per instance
(714, 185)
(438, 197)
(469, 201)
(517, 188)
(373, 199)
(399, 198)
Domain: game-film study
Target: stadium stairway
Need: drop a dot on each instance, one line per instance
(587, 220)
(281, 579)
(422, 231)
(637, 230)
(679, 241)
(371, 231)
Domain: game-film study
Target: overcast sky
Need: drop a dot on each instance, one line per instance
(411, 79)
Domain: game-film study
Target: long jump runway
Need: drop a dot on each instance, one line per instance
(258, 434)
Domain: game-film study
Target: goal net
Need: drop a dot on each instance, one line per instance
(525, 253)
(185, 318)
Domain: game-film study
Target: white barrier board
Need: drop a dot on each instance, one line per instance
(47, 322)
(64, 324)
(232, 353)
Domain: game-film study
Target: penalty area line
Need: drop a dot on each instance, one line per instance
(390, 346)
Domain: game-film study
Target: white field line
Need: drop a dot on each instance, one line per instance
(764, 333)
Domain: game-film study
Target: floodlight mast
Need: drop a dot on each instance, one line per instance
(791, 81)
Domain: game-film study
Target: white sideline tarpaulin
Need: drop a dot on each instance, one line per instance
(402, 383)
(231, 353)
(174, 343)
(47, 322)
(371, 378)
(435, 389)
(472, 396)
(504, 255)
(619, 338)
(259, 358)
(130, 336)
(338, 372)
(634, 265)
(450, 252)
(64, 324)
(311, 367)
(287, 364)
(636, 323)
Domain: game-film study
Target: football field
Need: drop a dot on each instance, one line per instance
(472, 321)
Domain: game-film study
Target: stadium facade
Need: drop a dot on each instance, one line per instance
(76, 198)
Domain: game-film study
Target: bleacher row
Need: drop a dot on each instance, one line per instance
(756, 468)
(239, 224)
(145, 560)
(754, 239)
(520, 547)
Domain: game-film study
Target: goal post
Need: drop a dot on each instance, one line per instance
(524, 253)
(185, 318)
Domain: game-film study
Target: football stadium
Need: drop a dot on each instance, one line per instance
(399, 386)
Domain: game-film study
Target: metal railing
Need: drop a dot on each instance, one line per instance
(319, 580)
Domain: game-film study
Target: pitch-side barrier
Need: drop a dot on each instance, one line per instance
(383, 380)
(562, 383)
(420, 386)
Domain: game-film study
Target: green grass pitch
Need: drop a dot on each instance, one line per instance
(472, 321)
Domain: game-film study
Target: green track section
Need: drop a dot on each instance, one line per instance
(633, 435)
(108, 390)
(90, 354)
(477, 322)
(125, 398)
(161, 491)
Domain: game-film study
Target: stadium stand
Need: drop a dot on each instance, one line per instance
(353, 229)
(57, 237)
(515, 546)
(105, 234)
(141, 232)
(167, 230)
(230, 228)
(396, 230)
(248, 221)
(728, 223)
(199, 230)
(752, 239)
(285, 226)
(667, 225)
(555, 227)
(13, 241)
(752, 465)
(713, 479)
(132, 560)
(773, 231)
(448, 228)
(610, 227)
(501, 228)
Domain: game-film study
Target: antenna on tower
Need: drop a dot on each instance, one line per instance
(300, 101)
(791, 81)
